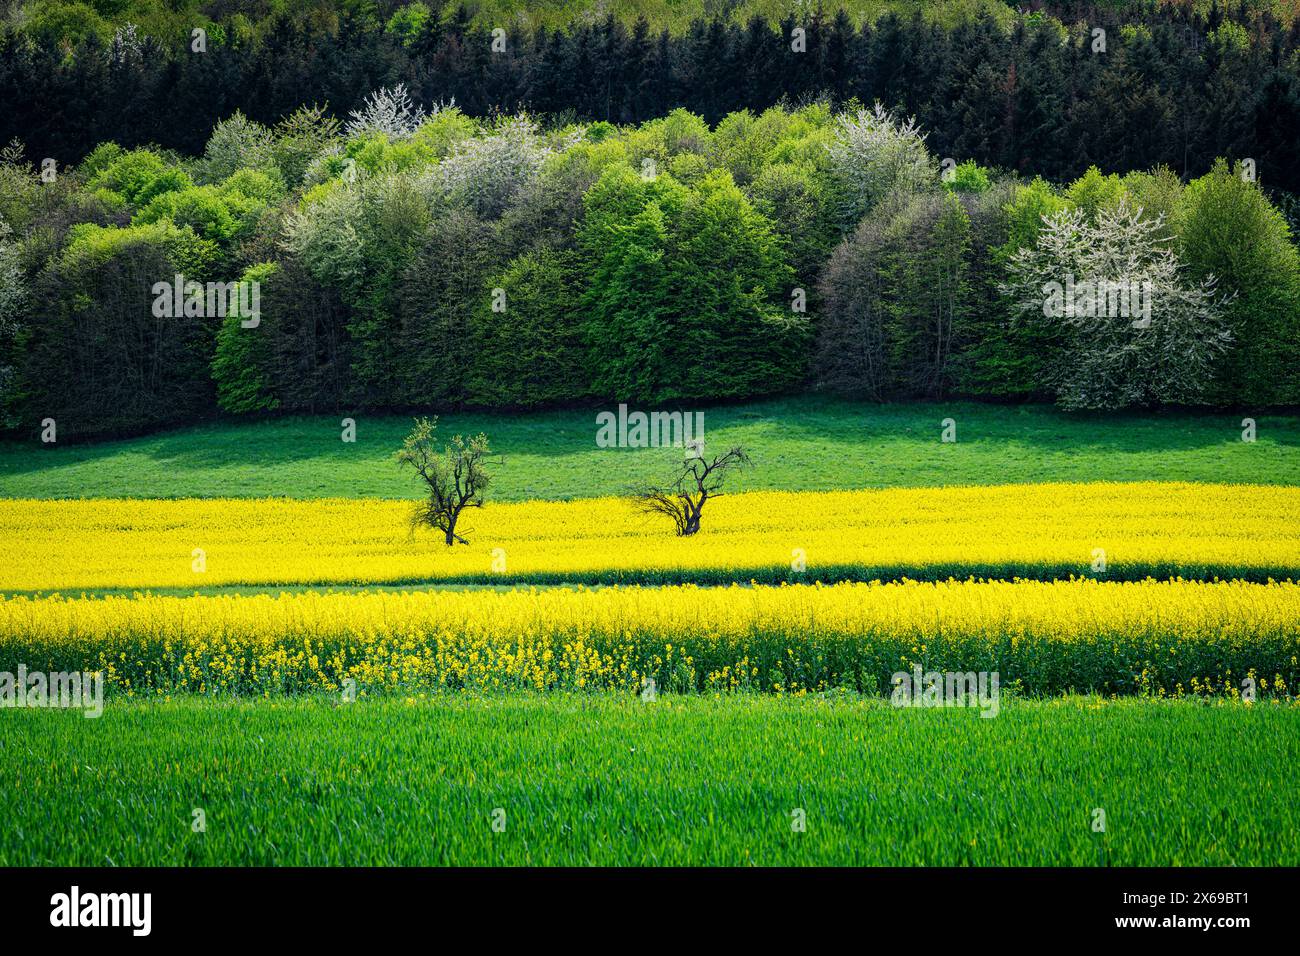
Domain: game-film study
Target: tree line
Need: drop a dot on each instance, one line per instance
(414, 257)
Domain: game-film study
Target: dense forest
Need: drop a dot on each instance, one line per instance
(387, 209)
(415, 257)
(1160, 84)
(75, 19)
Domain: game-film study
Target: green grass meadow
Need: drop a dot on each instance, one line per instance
(804, 444)
(594, 779)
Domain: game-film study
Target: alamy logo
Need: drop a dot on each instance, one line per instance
(74, 908)
(649, 430)
(1099, 298)
(69, 690)
(210, 300)
(947, 689)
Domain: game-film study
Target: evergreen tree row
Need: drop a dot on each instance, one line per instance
(1032, 96)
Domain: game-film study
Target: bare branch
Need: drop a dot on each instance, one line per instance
(697, 480)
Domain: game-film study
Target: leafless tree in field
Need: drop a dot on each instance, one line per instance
(697, 480)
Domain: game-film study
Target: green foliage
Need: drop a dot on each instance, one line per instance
(783, 161)
(97, 357)
(662, 262)
(438, 135)
(13, 295)
(1229, 37)
(61, 19)
(1000, 357)
(376, 153)
(359, 240)
(797, 201)
(409, 22)
(897, 292)
(1158, 194)
(299, 139)
(203, 208)
(968, 177)
(443, 288)
(241, 367)
(236, 143)
(306, 349)
(1228, 230)
(1092, 192)
(170, 181)
(546, 214)
(100, 158)
(373, 152)
(394, 227)
(600, 131)
(1025, 213)
(661, 140)
(139, 176)
(20, 190)
(928, 275)
(532, 353)
(92, 245)
(455, 479)
(56, 20)
(264, 186)
(688, 291)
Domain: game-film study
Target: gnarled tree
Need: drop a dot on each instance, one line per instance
(457, 477)
(697, 480)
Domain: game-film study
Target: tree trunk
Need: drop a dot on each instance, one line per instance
(692, 519)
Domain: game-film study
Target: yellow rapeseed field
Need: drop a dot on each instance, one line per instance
(1045, 530)
(1172, 637)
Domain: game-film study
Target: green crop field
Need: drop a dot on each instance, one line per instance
(804, 444)
(593, 779)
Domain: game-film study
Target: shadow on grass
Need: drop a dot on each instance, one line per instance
(809, 442)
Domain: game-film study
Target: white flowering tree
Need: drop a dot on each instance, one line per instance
(487, 172)
(875, 154)
(325, 237)
(1136, 330)
(12, 295)
(126, 47)
(388, 110)
(236, 143)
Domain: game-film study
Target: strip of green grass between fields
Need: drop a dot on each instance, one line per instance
(725, 577)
